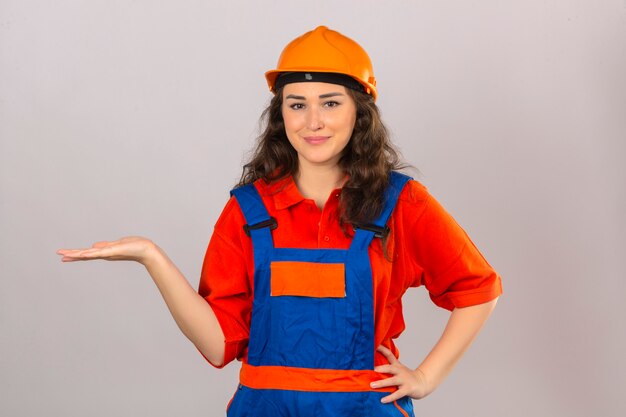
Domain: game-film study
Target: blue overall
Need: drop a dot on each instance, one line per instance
(328, 333)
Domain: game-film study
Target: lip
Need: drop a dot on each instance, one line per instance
(315, 140)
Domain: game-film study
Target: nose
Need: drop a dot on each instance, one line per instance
(314, 119)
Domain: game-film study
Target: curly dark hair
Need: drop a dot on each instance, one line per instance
(368, 158)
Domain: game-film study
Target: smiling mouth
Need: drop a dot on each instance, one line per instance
(316, 140)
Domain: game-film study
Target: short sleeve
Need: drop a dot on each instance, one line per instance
(453, 270)
(224, 282)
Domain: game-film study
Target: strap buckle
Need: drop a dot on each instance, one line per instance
(271, 223)
(380, 232)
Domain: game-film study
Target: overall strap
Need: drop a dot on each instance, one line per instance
(378, 228)
(259, 223)
(397, 182)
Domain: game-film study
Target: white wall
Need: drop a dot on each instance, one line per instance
(132, 117)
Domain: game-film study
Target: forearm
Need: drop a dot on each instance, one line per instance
(461, 329)
(192, 313)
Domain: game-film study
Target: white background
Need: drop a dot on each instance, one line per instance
(133, 117)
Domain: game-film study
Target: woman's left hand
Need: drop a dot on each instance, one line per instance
(411, 383)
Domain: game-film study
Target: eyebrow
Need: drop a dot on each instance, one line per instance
(327, 95)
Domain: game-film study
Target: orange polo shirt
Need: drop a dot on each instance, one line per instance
(425, 247)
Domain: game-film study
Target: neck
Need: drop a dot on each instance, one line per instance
(316, 183)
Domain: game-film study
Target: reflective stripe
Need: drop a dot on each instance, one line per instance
(307, 379)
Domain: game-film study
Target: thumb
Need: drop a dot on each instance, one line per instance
(101, 244)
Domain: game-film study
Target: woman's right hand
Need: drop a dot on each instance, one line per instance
(192, 313)
(131, 248)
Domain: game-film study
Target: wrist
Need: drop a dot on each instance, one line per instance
(152, 254)
(425, 382)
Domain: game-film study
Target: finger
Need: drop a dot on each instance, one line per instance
(385, 369)
(73, 255)
(68, 259)
(75, 251)
(74, 259)
(64, 251)
(387, 382)
(387, 354)
(83, 253)
(70, 252)
(396, 395)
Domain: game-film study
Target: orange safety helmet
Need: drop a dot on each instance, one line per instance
(327, 51)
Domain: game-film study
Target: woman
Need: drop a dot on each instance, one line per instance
(304, 274)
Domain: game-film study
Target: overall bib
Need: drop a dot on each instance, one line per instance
(311, 346)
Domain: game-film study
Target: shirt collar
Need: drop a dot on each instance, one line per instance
(284, 192)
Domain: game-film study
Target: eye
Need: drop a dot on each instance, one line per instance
(332, 103)
(296, 106)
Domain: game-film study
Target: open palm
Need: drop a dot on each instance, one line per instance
(131, 248)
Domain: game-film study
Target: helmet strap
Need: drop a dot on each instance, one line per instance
(318, 77)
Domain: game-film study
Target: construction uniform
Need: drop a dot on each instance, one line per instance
(305, 303)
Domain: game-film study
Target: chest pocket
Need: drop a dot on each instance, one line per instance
(308, 279)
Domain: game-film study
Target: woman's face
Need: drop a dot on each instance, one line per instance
(319, 118)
